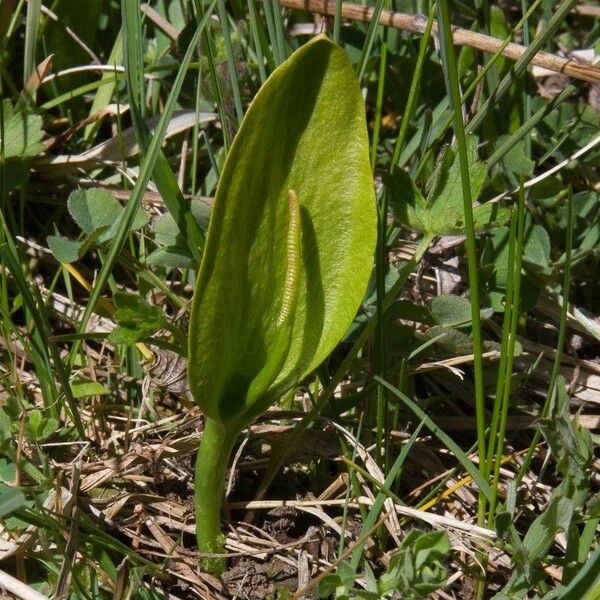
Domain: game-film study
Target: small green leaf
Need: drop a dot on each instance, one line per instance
(446, 198)
(570, 444)
(98, 213)
(498, 28)
(407, 203)
(537, 246)
(84, 389)
(451, 311)
(5, 426)
(515, 160)
(171, 257)
(487, 216)
(139, 221)
(93, 209)
(64, 249)
(130, 335)
(504, 520)
(168, 233)
(22, 133)
(38, 427)
(439, 177)
(133, 312)
(540, 535)
(328, 585)
(443, 212)
(450, 340)
(11, 499)
(8, 470)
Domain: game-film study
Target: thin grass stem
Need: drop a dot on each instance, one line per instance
(472, 263)
(515, 302)
(34, 9)
(231, 66)
(562, 334)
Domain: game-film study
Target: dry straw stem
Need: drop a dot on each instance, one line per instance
(588, 11)
(19, 589)
(461, 37)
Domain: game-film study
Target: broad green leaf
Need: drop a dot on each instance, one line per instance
(64, 249)
(406, 201)
(84, 389)
(280, 283)
(442, 213)
(10, 500)
(451, 311)
(446, 198)
(97, 212)
(171, 257)
(22, 132)
(38, 426)
(93, 209)
(515, 159)
(167, 232)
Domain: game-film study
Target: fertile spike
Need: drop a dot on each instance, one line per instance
(293, 260)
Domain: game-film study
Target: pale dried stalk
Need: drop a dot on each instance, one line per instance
(588, 11)
(461, 37)
(19, 589)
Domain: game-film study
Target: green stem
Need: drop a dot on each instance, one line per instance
(211, 471)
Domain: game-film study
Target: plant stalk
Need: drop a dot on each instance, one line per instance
(211, 472)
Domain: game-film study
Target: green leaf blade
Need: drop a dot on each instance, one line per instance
(305, 131)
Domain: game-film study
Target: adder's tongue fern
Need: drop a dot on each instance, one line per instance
(287, 258)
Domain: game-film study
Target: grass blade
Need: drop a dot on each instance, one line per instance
(146, 168)
(163, 176)
(34, 8)
(462, 458)
(381, 496)
(108, 85)
(369, 40)
(216, 83)
(472, 262)
(513, 296)
(37, 312)
(233, 76)
(257, 36)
